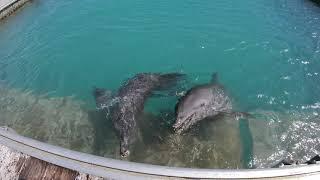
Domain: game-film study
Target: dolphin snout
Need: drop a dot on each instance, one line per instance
(124, 151)
(177, 127)
(182, 123)
(178, 130)
(125, 154)
(124, 147)
(178, 123)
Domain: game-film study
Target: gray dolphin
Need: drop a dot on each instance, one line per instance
(124, 107)
(200, 102)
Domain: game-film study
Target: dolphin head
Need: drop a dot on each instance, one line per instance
(189, 110)
(128, 132)
(124, 147)
(128, 140)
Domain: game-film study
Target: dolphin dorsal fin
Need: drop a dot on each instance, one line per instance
(214, 78)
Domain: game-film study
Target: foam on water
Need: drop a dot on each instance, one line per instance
(290, 135)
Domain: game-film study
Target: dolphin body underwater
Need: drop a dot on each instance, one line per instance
(125, 106)
(201, 102)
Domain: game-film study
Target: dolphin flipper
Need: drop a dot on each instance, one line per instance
(214, 78)
(237, 114)
(102, 96)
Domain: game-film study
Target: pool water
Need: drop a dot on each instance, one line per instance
(266, 53)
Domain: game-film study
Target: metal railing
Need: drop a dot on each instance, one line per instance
(117, 169)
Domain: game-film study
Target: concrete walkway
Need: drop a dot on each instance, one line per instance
(16, 165)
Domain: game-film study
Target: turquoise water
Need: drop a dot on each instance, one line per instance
(265, 51)
(260, 47)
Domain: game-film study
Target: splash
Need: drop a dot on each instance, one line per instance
(293, 135)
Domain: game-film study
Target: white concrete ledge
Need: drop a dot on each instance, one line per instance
(7, 7)
(116, 169)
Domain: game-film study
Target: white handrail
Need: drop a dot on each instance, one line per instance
(118, 169)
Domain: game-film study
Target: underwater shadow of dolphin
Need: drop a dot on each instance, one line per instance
(124, 107)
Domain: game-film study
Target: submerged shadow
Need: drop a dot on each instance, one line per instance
(105, 137)
(317, 2)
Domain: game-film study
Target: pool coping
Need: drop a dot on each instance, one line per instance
(118, 169)
(7, 9)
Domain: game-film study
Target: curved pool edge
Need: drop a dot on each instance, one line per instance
(7, 7)
(117, 169)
